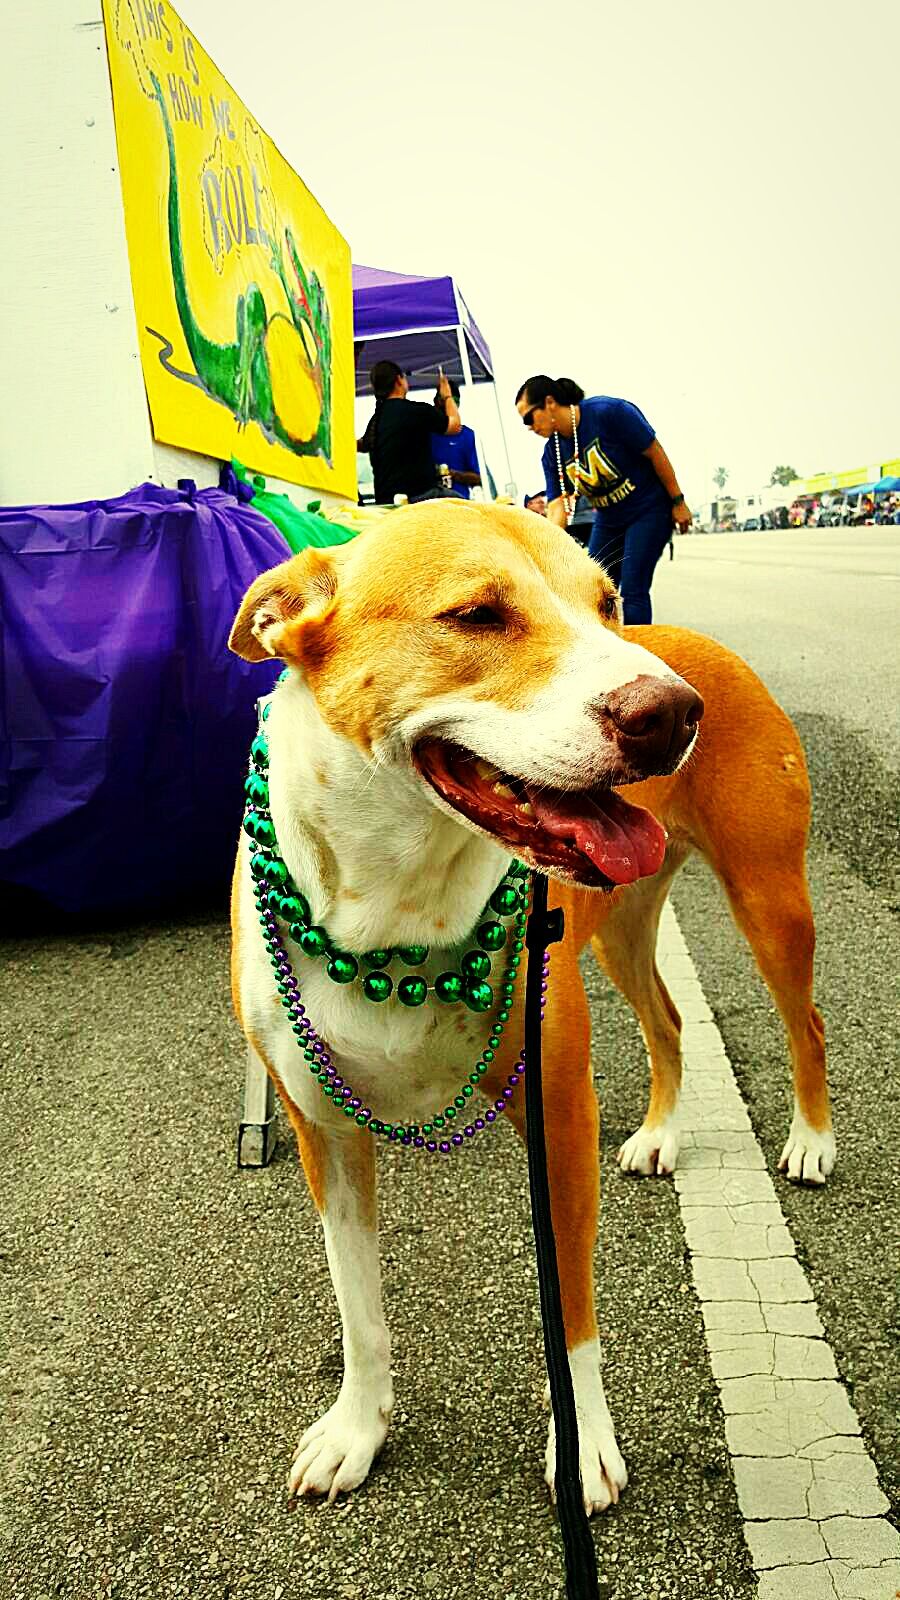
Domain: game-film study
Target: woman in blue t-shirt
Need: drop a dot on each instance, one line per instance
(606, 450)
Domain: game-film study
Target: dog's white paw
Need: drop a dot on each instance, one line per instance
(603, 1472)
(652, 1150)
(335, 1454)
(808, 1156)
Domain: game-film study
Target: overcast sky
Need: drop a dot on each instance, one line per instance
(694, 205)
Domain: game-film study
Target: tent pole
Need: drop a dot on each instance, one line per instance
(510, 481)
(468, 381)
(467, 373)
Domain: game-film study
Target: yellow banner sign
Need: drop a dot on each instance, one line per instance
(847, 480)
(242, 286)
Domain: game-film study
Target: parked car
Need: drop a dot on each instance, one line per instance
(751, 525)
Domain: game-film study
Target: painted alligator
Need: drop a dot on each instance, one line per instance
(277, 370)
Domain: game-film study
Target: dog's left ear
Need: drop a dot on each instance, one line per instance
(301, 589)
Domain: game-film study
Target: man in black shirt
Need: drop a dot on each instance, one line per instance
(398, 436)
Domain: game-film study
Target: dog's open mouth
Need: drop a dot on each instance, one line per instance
(592, 836)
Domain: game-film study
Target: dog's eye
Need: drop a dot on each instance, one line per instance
(477, 617)
(609, 607)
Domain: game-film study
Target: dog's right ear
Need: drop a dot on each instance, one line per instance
(302, 588)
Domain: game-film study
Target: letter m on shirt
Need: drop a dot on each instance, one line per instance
(594, 474)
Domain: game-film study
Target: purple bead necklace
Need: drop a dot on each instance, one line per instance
(439, 1136)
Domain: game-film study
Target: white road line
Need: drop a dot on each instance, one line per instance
(807, 1489)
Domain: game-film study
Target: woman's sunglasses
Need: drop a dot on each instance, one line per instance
(528, 416)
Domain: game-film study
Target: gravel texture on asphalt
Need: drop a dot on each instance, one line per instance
(168, 1328)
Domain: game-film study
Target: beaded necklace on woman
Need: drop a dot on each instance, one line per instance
(285, 918)
(569, 500)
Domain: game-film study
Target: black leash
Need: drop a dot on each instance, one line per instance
(546, 928)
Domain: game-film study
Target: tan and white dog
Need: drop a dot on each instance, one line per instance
(461, 691)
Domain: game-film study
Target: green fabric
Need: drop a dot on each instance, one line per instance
(300, 528)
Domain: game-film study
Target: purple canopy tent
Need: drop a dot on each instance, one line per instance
(427, 323)
(422, 324)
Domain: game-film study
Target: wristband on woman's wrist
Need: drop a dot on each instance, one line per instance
(678, 500)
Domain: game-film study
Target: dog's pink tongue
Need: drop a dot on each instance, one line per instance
(623, 841)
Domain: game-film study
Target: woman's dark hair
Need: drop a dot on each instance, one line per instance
(564, 390)
(382, 377)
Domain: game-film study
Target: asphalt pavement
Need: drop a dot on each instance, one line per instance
(167, 1329)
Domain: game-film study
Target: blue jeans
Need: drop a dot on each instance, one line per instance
(630, 555)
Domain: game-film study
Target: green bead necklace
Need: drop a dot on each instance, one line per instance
(440, 1134)
(279, 901)
(469, 984)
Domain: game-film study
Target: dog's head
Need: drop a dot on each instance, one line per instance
(478, 650)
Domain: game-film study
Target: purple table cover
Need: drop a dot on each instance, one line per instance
(125, 721)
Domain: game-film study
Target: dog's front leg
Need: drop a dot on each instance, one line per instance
(336, 1453)
(625, 946)
(571, 1128)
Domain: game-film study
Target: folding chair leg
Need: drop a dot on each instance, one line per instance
(256, 1134)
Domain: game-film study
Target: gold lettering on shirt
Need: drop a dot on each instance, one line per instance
(593, 472)
(622, 492)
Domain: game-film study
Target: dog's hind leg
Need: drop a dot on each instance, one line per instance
(571, 1134)
(770, 904)
(753, 834)
(625, 946)
(335, 1454)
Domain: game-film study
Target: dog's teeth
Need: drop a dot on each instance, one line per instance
(484, 768)
(526, 810)
(504, 790)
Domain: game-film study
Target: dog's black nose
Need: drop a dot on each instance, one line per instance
(652, 720)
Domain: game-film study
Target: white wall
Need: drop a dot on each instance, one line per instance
(74, 420)
(74, 414)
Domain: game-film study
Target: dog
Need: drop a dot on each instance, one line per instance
(460, 691)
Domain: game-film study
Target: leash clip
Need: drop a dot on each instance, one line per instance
(545, 928)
